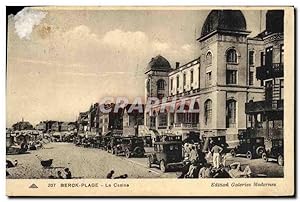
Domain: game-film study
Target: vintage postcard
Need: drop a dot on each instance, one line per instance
(150, 101)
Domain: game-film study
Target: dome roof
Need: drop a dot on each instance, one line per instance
(224, 20)
(158, 63)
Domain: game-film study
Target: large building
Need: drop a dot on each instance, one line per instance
(100, 122)
(217, 84)
(266, 115)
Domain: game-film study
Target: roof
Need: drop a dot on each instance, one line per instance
(158, 63)
(224, 20)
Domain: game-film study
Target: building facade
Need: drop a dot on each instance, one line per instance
(82, 122)
(216, 85)
(265, 116)
(132, 120)
(42, 126)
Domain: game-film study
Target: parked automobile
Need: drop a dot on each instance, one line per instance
(251, 147)
(98, 140)
(276, 152)
(209, 142)
(105, 143)
(147, 141)
(130, 146)
(166, 154)
(114, 141)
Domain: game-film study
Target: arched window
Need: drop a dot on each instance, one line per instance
(208, 58)
(207, 112)
(161, 84)
(231, 113)
(231, 56)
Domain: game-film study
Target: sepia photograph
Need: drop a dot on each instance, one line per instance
(148, 93)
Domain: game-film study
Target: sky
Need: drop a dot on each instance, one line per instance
(60, 61)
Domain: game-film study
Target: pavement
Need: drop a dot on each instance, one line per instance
(96, 163)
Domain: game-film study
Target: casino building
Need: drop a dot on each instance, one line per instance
(221, 80)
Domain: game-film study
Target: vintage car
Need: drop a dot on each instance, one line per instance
(147, 141)
(209, 142)
(130, 146)
(276, 152)
(166, 154)
(251, 147)
(98, 140)
(114, 141)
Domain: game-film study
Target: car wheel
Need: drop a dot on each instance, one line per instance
(138, 152)
(127, 153)
(162, 166)
(280, 160)
(264, 157)
(260, 151)
(249, 155)
(233, 153)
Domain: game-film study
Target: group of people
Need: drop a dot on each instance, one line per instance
(67, 174)
(211, 164)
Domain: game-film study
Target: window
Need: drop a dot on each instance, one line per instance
(152, 121)
(192, 76)
(281, 53)
(231, 114)
(184, 79)
(208, 79)
(262, 58)
(209, 58)
(269, 91)
(269, 56)
(281, 89)
(251, 78)
(163, 119)
(231, 56)
(160, 84)
(177, 81)
(231, 77)
(171, 84)
(207, 112)
(251, 58)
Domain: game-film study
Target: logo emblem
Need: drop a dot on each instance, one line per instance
(33, 186)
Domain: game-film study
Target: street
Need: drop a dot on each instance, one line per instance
(96, 163)
(82, 162)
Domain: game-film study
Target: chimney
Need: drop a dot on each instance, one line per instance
(177, 65)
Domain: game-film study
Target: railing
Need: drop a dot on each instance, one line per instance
(272, 71)
(190, 92)
(265, 105)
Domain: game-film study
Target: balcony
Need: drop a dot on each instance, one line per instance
(271, 71)
(263, 106)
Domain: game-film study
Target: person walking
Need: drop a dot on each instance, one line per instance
(216, 150)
